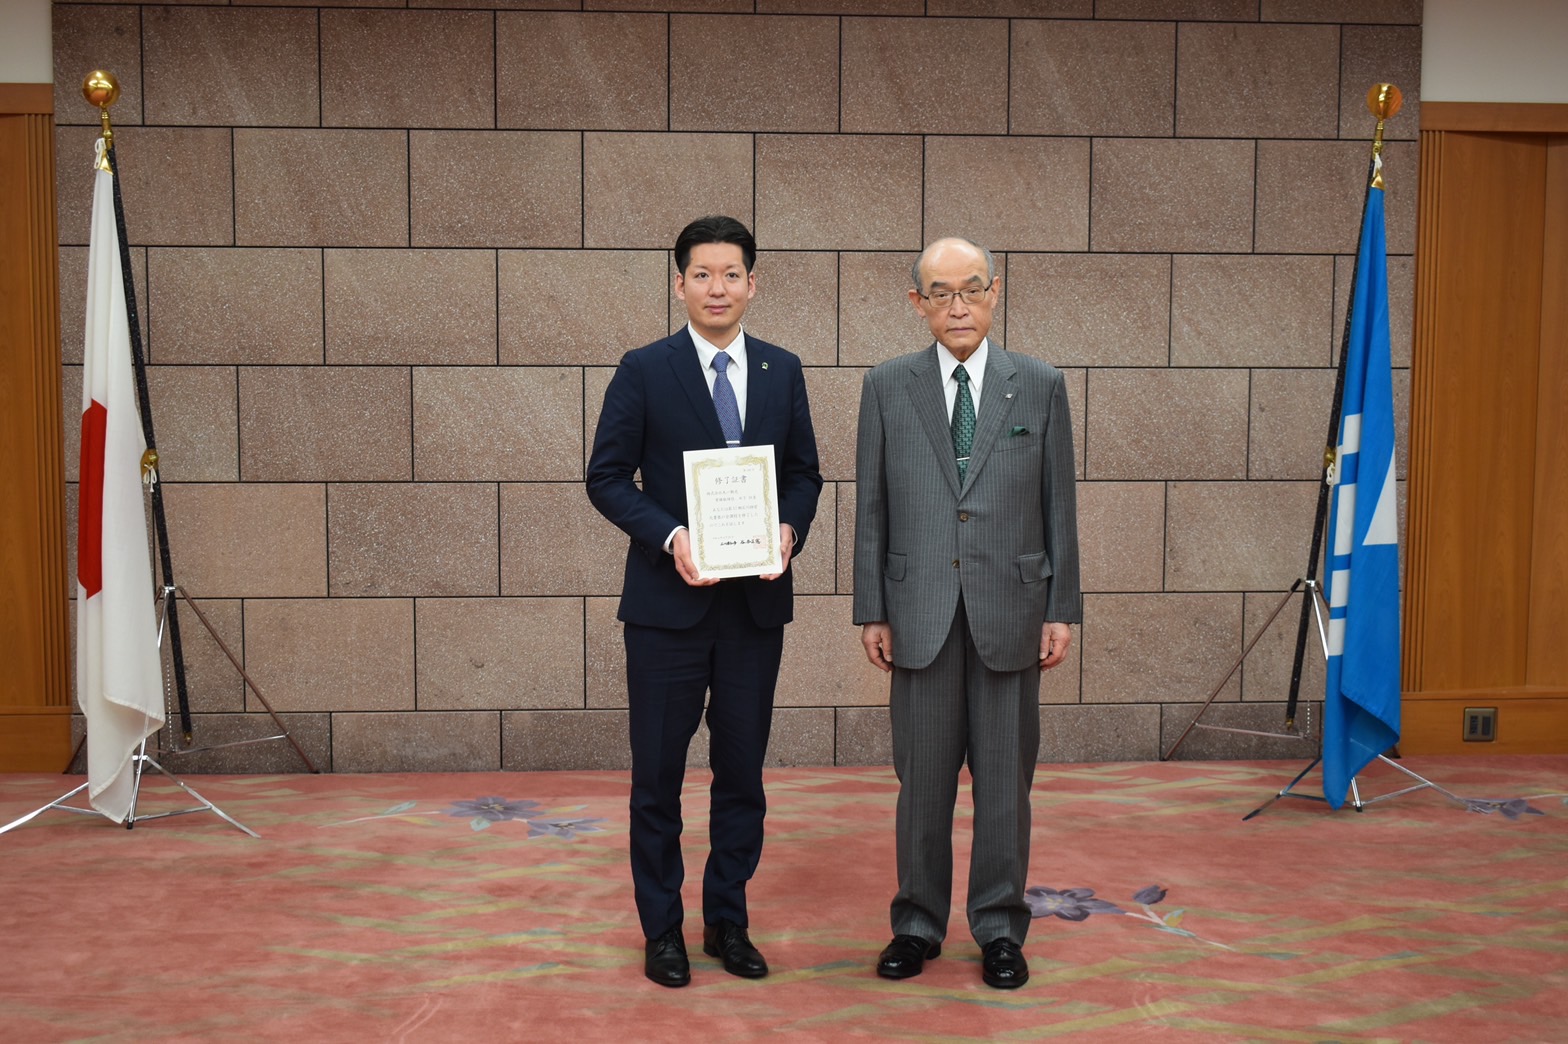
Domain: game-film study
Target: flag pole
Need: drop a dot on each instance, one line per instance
(1363, 728)
(1383, 100)
(101, 89)
(111, 579)
(119, 676)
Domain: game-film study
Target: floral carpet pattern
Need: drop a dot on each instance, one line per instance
(482, 813)
(497, 907)
(1076, 904)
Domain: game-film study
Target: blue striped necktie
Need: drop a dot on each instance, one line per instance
(724, 400)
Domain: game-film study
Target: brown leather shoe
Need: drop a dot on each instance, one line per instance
(906, 956)
(1002, 964)
(729, 942)
(665, 961)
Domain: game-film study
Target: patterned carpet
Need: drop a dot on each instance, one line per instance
(496, 907)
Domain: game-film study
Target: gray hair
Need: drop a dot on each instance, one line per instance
(990, 262)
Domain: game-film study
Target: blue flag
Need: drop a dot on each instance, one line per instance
(1361, 705)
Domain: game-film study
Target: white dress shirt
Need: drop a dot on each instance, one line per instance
(736, 372)
(737, 368)
(974, 366)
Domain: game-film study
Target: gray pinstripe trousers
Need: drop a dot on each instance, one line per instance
(953, 710)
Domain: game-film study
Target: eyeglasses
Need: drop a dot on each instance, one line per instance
(972, 295)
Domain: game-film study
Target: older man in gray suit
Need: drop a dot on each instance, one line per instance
(966, 578)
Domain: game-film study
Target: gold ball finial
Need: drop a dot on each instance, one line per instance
(1384, 99)
(101, 89)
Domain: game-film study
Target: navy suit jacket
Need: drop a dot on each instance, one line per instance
(657, 407)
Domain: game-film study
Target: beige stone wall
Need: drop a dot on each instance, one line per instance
(387, 260)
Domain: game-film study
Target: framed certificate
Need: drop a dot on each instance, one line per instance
(732, 507)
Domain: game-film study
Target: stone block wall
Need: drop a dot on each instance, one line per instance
(388, 255)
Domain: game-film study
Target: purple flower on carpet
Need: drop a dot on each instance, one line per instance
(494, 809)
(483, 812)
(1076, 904)
(566, 828)
(1512, 808)
(1070, 904)
(1149, 896)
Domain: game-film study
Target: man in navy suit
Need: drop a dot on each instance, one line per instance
(706, 386)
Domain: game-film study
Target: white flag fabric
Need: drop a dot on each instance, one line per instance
(118, 671)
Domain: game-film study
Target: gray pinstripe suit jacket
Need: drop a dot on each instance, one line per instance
(1007, 538)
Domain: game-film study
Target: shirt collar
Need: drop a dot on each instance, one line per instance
(974, 365)
(706, 350)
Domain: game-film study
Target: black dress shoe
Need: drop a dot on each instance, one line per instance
(906, 956)
(728, 941)
(664, 959)
(1002, 964)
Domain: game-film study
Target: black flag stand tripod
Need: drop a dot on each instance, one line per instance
(1309, 606)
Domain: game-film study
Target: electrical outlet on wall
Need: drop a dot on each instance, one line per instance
(1480, 724)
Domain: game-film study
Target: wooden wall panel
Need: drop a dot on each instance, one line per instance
(1477, 367)
(1495, 117)
(1524, 726)
(1547, 663)
(1487, 547)
(35, 698)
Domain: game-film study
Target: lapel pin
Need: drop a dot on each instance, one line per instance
(764, 364)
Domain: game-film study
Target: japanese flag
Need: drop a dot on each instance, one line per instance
(118, 671)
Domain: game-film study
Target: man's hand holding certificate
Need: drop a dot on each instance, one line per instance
(732, 507)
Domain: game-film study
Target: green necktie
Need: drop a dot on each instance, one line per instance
(963, 421)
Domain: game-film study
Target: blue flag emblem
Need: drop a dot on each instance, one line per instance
(1361, 705)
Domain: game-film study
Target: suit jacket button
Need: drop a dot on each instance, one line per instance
(963, 516)
(955, 563)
